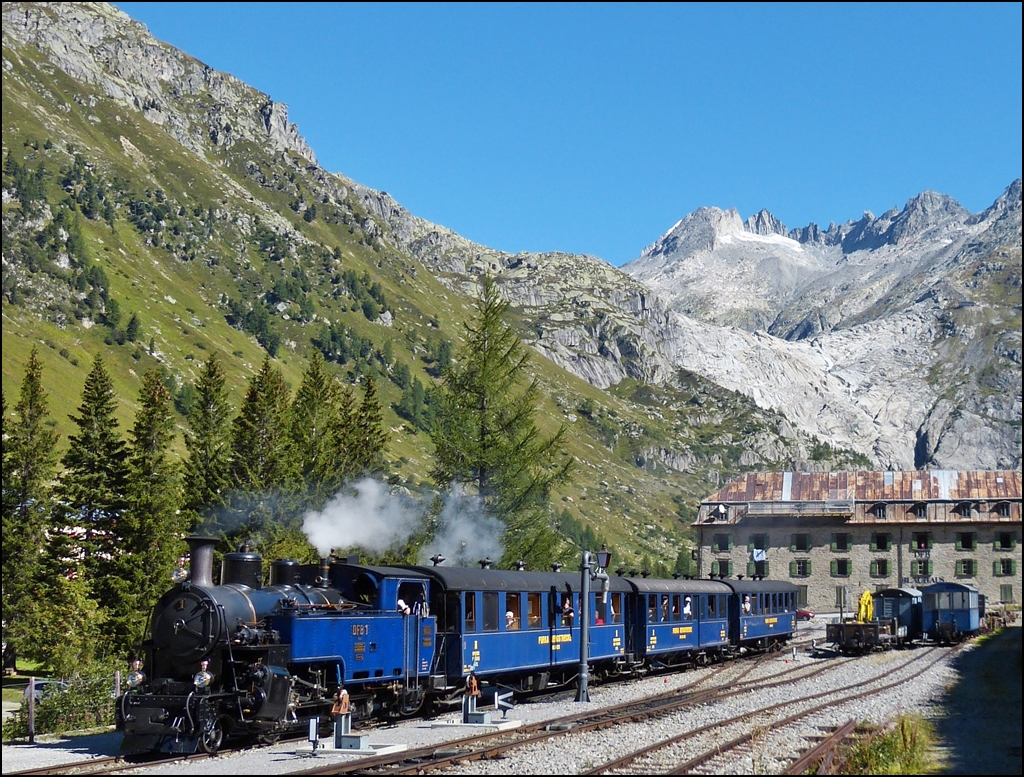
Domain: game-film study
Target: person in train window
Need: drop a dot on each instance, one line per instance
(746, 604)
(687, 612)
(664, 608)
(403, 607)
(511, 624)
(567, 612)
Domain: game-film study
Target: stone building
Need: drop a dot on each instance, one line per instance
(835, 534)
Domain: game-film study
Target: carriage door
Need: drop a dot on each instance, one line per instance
(414, 596)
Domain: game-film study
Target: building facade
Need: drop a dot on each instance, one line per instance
(835, 534)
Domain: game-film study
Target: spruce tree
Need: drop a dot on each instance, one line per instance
(29, 464)
(318, 463)
(91, 500)
(259, 465)
(371, 439)
(152, 527)
(207, 475)
(485, 436)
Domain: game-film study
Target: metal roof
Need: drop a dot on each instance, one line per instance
(463, 579)
(681, 586)
(867, 486)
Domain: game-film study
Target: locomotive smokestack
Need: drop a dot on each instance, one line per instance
(201, 555)
(324, 581)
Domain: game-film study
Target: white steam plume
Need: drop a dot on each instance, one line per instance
(465, 533)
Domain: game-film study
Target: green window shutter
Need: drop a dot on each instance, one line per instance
(1013, 541)
(1013, 566)
(874, 542)
(766, 566)
(974, 541)
(792, 542)
(728, 567)
(995, 568)
(874, 568)
(751, 569)
(929, 541)
(834, 545)
(808, 567)
(959, 545)
(792, 569)
(730, 541)
(714, 567)
(834, 568)
(929, 568)
(959, 568)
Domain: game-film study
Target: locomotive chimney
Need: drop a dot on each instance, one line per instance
(485, 563)
(201, 555)
(520, 565)
(324, 581)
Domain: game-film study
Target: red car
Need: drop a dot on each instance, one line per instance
(804, 615)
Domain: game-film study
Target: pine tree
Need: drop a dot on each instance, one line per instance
(485, 436)
(207, 475)
(260, 451)
(29, 464)
(317, 460)
(92, 488)
(152, 526)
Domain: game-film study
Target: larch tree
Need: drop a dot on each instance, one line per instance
(152, 526)
(91, 494)
(485, 436)
(370, 440)
(29, 465)
(207, 478)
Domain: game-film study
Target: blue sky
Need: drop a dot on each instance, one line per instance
(594, 128)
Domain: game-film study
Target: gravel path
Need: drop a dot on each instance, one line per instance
(928, 695)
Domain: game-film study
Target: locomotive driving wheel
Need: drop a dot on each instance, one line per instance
(212, 736)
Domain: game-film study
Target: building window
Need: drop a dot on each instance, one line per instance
(721, 543)
(880, 511)
(1004, 567)
(841, 543)
(966, 540)
(965, 510)
(880, 567)
(758, 547)
(1006, 593)
(758, 542)
(1006, 540)
(801, 543)
(801, 567)
(841, 567)
(721, 567)
(1003, 510)
(921, 568)
(881, 542)
(922, 541)
(966, 567)
(757, 568)
(919, 511)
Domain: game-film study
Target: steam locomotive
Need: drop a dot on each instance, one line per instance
(241, 659)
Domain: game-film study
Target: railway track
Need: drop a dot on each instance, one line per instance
(496, 744)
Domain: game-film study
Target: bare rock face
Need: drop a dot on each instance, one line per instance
(99, 45)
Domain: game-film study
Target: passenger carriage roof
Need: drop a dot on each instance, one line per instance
(760, 586)
(660, 586)
(381, 571)
(463, 579)
(937, 587)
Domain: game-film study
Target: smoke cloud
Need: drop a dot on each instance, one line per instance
(368, 515)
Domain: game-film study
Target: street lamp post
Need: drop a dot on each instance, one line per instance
(588, 573)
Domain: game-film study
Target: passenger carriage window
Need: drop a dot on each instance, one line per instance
(534, 610)
(675, 607)
(513, 612)
(652, 608)
(616, 604)
(470, 613)
(490, 611)
(712, 607)
(665, 614)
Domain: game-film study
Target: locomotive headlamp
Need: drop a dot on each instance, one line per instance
(203, 678)
(179, 575)
(136, 677)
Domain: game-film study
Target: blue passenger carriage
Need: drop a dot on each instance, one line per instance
(951, 611)
(762, 613)
(521, 629)
(679, 621)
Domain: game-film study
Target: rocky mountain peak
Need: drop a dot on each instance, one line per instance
(764, 223)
